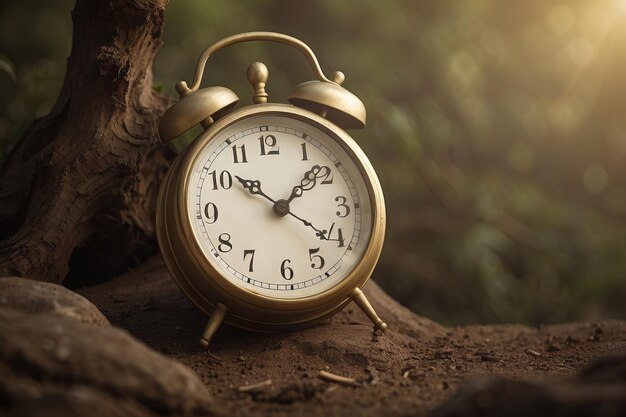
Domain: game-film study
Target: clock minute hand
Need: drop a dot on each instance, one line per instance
(319, 233)
(254, 187)
(309, 180)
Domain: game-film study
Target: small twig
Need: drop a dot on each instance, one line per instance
(407, 370)
(253, 387)
(533, 353)
(330, 377)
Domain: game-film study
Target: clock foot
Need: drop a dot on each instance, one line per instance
(212, 325)
(359, 298)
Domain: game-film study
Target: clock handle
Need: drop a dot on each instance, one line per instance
(257, 36)
(359, 298)
(216, 318)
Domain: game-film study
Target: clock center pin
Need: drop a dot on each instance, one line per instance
(281, 207)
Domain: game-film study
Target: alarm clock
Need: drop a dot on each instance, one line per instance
(272, 218)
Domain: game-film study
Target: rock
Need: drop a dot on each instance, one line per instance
(495, 396)
(79, 401)
(607, 369)
(599, 390)
(24, 296)
(58, 356)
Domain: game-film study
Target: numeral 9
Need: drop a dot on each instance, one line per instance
(211, 213)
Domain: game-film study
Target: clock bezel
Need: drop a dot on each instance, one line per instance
(205, 285)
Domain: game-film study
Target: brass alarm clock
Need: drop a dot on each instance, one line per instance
(273, 218)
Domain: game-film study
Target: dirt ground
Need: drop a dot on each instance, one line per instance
(409, 370)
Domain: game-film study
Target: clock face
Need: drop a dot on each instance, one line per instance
(278, 206)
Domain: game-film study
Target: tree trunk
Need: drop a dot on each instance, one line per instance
(77, 193)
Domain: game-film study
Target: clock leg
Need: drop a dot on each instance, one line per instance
(212, 325)
(359, 298)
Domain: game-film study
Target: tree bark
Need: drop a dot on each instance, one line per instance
(77, 193)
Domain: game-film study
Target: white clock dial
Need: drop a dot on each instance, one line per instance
(279, 207)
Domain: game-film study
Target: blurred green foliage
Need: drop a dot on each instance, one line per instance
(497, 129)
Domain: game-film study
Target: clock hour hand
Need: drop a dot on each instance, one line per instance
(254, 187)
(309, 180)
